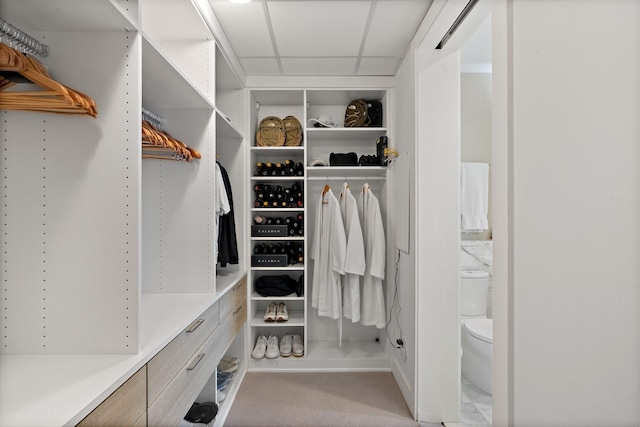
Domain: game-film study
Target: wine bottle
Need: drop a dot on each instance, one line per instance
(298, 169)
(289, 166)
(259, 168)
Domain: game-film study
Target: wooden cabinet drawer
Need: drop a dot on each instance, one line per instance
(176, 399)
(125, 407)
(229, 301)
(238, 317)
(171, 359)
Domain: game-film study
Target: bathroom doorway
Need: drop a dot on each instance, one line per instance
(476, 245)
(439, 154)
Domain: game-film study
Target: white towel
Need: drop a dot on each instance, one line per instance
(474, 196)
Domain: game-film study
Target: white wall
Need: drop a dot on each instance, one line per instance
(567, 238)
(403, 314)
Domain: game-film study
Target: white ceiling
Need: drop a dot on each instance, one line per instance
(323, 38)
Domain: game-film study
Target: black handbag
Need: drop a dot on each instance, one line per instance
(343, 159)
(369, 160)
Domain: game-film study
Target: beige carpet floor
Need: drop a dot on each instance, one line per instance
(332, 399)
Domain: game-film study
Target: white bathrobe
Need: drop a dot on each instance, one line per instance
(354, 263)
(328, 253)
(373, 309)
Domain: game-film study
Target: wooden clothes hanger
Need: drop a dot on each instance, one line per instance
(54, 97)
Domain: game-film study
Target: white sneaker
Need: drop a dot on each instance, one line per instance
(285, 345)
(272, 347)
(260, 348)
(220, 395)
(270, 314)
(297, 348)
(282, 313)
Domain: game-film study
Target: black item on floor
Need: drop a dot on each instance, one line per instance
(202, 412)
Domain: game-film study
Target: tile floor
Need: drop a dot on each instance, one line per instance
(476, 405)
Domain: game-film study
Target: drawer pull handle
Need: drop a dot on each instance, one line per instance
(237, 310)
(192, 327)
(195, 362)
(236, 287)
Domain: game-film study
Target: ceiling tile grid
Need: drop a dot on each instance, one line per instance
(324, 38)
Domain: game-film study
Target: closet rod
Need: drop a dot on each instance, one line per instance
(346, 178)
(152, 117)
(22, 41)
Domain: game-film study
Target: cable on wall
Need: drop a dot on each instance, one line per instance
(399, 344)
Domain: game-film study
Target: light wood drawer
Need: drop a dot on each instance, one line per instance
(237, 294)
(238, 317)
(170, 360)
(174, 402)
(125, 407)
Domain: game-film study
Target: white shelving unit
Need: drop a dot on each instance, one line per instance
(363, 348)
(93, 236)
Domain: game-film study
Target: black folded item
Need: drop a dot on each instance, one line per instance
(343, 159)
(276, 286)
(369, 160)
(202, 412)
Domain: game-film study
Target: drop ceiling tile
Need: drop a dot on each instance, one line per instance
(260, 66)
(245, 26)
(318, 28)
(377, 66)
(393, 26)
(318, 66)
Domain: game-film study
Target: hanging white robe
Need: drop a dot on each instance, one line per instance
(373, 309)
(354, 263)
(328, 253)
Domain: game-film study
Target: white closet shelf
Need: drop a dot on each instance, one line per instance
(295, 268)
(296, 318)
(293, 297)
(278, 151)
(54, 15)
(164, 86)
(277, 178)
(286, 238)
(225, 129)
(317, 172)
(353, 134)
(160, 18)
(276, 209)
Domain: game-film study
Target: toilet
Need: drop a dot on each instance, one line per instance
(477, 330)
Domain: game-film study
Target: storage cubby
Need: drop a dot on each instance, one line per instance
(363, 347)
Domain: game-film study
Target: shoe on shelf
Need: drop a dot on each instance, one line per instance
(270, 314)
(285, 345)
(282, 313)
(232, 360)
(220, 396)
(297, 347)
(272, 347)
(222, 380)
(260, 348)
(227, 367)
